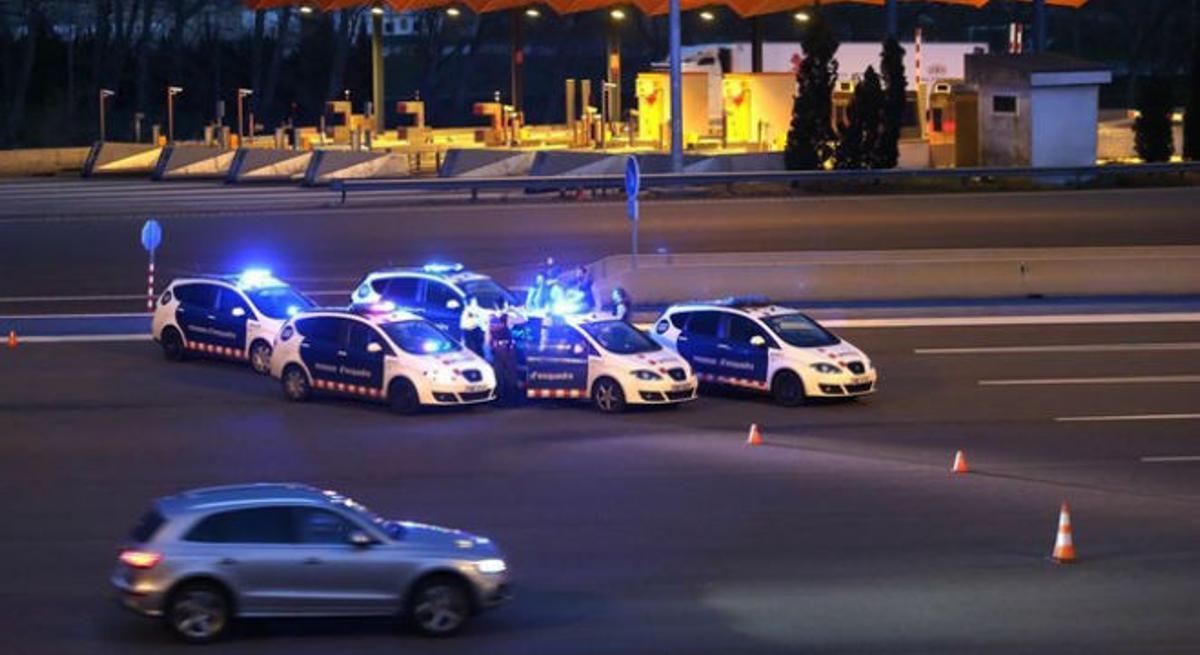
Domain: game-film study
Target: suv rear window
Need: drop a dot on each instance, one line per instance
(146, 526)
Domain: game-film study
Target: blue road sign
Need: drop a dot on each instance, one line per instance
(633, 177)
(151, 235)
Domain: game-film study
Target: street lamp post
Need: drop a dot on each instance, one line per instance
(172, 91)
(242, 94)
(676, 63)
(105, 94)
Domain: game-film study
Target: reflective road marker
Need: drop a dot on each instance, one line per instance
(1136, 379)
(1128, 417)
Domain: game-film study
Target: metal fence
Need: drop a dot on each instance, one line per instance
(573, 183)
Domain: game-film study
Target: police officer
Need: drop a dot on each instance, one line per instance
(621, 303)
(471, 322)
(504, 358)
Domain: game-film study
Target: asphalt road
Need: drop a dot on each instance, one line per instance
(60, 240)
(659, 531)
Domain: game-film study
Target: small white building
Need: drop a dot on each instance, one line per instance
(1036, 109)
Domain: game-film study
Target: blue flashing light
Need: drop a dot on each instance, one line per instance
(442, 268)
(292, 310)
(568, 304)
(257, 278)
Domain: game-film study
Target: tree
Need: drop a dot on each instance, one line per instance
(895, 84)
(810, 138)
(1152, 129)
(1191, 116)
(859, 137)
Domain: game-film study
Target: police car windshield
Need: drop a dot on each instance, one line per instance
(419, 337)
(801, 331)
(620, 337)
(279, 302)
(489, 294)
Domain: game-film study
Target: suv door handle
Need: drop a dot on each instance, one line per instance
(312, 560)
(226, 561)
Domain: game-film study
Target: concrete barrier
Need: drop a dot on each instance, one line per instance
(477, 162)
(111, 158)
(41, 161)
(268, 165)
(328, 165)
(193, 162)
(905, 274)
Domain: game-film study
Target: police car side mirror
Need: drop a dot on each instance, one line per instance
(453, 304)
(237, 312)
(758, 341)
(374, 348)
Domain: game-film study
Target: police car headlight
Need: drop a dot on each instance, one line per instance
(648, 376)
(822, 367)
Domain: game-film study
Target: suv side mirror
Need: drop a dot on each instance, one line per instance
(758, 341)
(374, 348)
(237, 312)
(359, 539)
(453, 304)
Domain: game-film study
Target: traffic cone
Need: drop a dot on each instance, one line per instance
(12, 338)
(1064, 544)
(960, 463)
(755, 438)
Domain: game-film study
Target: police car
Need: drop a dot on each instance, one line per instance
(231, 317)
(398, 358)
(601, 358)
(755, 345)
(437, 292)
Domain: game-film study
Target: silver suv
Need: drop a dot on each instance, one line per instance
(203, 557)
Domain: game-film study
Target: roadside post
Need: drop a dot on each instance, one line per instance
(633, 183)
(151, 238)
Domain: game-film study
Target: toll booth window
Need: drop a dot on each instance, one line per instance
(704, 323)
(197, 295)
(1004, 104)
(937, 119)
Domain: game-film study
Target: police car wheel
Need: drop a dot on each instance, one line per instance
(402, 397)
(608, 396)
(295, 384)
(172, 345)
(787, 389)
(260, 357)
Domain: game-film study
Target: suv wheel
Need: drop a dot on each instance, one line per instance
(172, 345)
(439, 606)
(608, 396)
(295, 384)
(787, 389)
(198, 613)
(402, 397)
(260, 357)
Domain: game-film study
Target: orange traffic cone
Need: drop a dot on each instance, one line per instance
(755, 438)
(960, 463)
(12, 338)
(1064, 544)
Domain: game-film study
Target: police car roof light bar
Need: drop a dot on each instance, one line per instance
(442, 267)
(255, 278)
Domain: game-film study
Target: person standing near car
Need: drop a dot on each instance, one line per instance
(471, 322)
(504, 358)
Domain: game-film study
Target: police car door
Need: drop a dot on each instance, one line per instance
(443, 307)
(319, 350)
(362, 365)
(698, 341)
(556, 364)
(194, 313)
(741, 360)
(229, 322)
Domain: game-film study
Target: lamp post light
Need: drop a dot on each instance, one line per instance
(105, 94)
(242, 93)
(172, 91)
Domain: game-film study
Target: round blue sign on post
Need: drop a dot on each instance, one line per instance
(151, 235)
(633, 176)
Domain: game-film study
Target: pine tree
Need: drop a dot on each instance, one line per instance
(1152, 129)
(859, 137)
(1191, 116)
(895, 85)
(810, 140)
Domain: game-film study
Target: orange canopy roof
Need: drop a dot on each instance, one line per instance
(744, 8)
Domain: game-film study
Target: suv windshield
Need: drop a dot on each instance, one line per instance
(279, 302)
(419, 337)
(801, 331)
(489, 294)
(620, 337)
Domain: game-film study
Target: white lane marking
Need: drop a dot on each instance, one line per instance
(1127, 417)
(1132, 379)
(123, 296)
(1064, 348)
(1037, 319)
(1171, 458)
(75, 316)
(84, 338)
(131, 296)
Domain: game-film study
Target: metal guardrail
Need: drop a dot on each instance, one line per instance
(568, 183)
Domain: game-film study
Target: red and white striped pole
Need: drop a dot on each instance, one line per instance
(921, 103)
(151, 238)
(150, 284)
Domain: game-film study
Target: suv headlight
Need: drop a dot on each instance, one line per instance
(492, 566)
(824, 367)
(648, 376)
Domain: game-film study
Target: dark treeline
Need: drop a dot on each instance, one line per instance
(55, 56)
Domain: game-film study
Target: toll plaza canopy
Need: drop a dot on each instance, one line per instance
(744, 8)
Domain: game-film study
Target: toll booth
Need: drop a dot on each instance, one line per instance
(942, 122)
(654, 108)
(758, 108)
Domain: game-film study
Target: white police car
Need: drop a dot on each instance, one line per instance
(602, 358)
(231, 317)
(437, 292)
(755, 345)
(398, 358)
